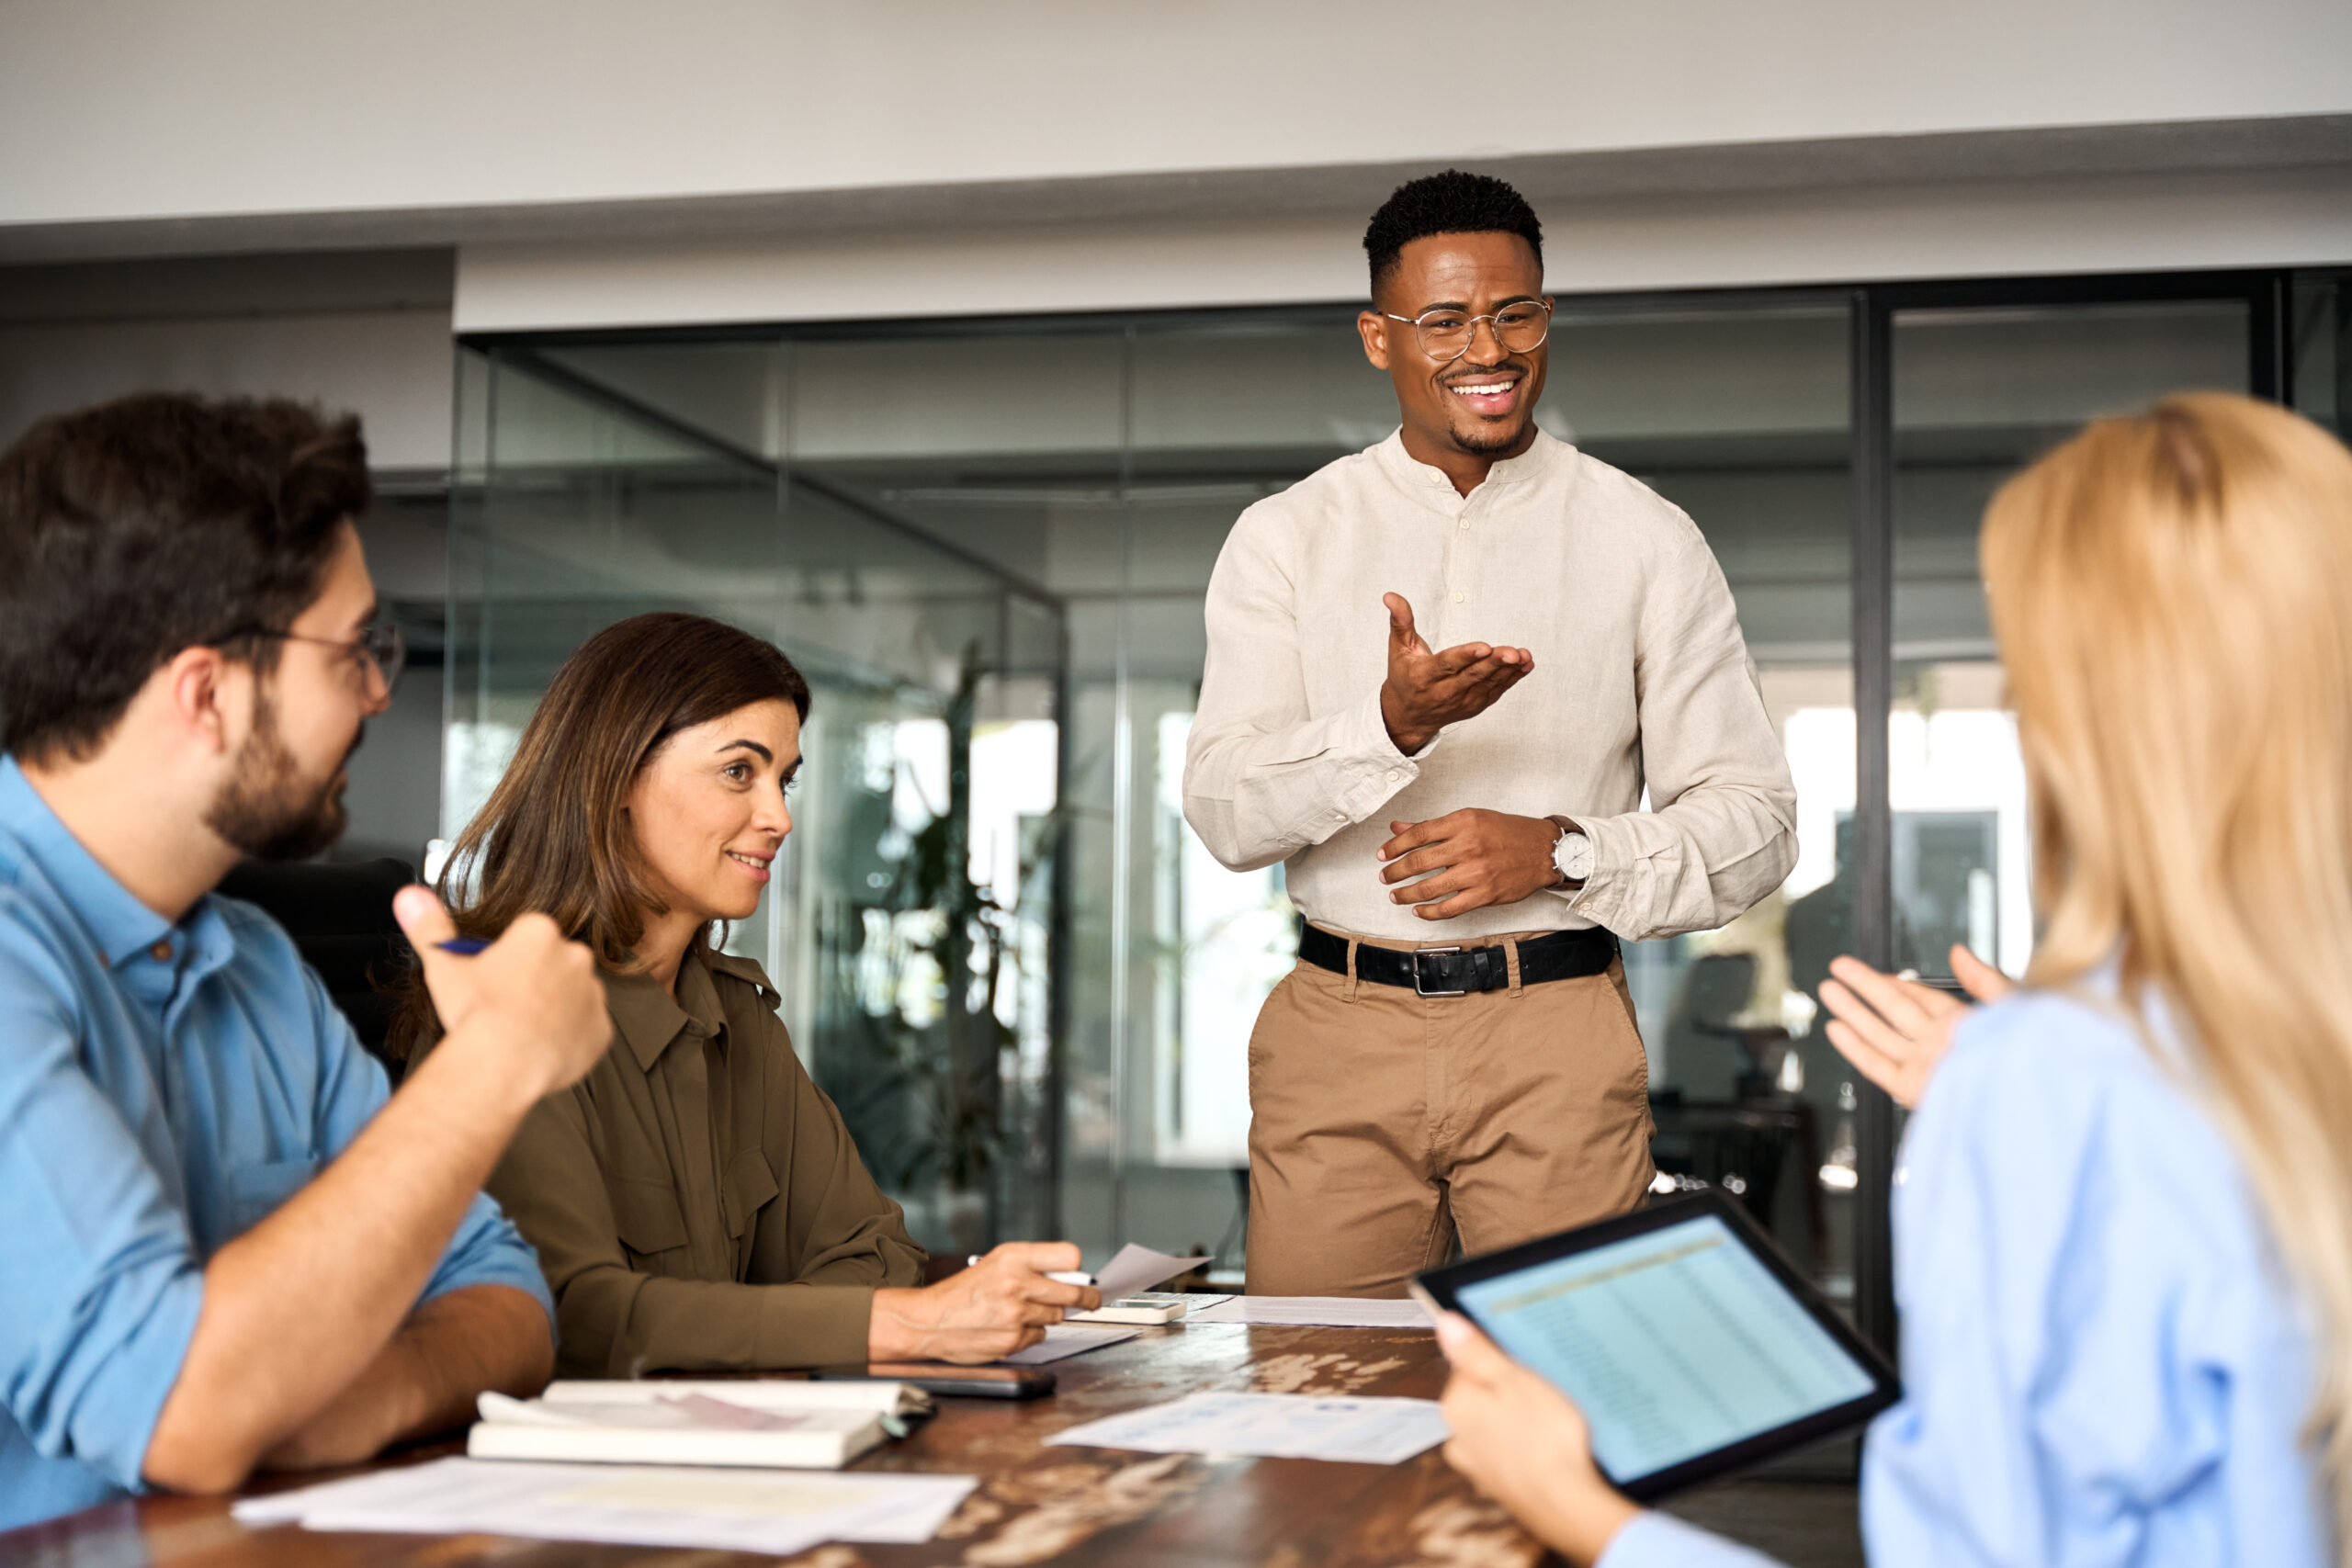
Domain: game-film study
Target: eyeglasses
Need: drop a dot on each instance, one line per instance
(380, 647)
(1445, 333)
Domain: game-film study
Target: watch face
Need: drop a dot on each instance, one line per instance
(1572, 855)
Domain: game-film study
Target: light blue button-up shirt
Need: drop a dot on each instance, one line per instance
(163, 1088)
(2103, 1362)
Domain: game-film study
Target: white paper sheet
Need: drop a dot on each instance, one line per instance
(1340, 1311)
(1139, 1269)
(1070, 1339)
(727, 1510)
(1273, 1426)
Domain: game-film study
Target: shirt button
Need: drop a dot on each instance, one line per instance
(161, 952)
(1457, 596)
(1393, 776)
(1465, 523)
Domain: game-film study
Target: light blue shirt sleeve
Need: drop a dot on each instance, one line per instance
(101, 1285)
(486, 1248)
(1660, 1541)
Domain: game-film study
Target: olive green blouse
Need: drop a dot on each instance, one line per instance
(696, 1200)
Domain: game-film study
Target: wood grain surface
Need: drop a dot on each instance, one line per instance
(1036, 1505)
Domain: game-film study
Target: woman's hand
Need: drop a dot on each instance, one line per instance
(983, 1314)
(1523, 1443)
(1895, 1031)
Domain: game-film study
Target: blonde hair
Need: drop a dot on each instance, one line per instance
(2173, 596)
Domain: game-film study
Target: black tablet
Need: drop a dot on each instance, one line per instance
(1692, 1346)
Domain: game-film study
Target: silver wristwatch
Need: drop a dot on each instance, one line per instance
(1571, 852)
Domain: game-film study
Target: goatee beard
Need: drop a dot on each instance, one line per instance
(1479, 447)
(267, 809)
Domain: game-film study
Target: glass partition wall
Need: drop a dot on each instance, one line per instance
(911, 922)
(1000, 947)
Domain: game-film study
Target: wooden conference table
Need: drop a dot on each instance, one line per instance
(1035, 1505)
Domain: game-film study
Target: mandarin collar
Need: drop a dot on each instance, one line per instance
(650, 1021)
(120, 926)
(1426, 478)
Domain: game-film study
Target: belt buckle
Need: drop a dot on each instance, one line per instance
(1420, 989)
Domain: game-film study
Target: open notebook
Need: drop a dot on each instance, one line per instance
(773, 1424)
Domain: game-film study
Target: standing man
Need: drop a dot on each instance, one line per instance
(226, 1246)
(1458, 800)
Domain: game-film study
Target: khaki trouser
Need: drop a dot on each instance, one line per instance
(1382, 1120)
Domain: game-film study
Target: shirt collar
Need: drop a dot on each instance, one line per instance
(1426, 478)
(120, 926)
(650, 1021)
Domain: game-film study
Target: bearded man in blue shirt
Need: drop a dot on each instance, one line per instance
(227, 1245)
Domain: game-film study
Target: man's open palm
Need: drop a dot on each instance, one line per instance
(1426, 691)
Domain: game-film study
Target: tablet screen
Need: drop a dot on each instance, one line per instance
(1675, 1342)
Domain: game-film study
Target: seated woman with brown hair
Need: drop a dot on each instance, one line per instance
(696, 1200)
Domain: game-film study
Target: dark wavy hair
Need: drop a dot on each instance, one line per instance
(552, 836)
(137, 528)
(1452, 202)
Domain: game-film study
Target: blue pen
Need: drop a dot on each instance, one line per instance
(465, 946)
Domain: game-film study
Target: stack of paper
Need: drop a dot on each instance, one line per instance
(724, 1511)
(1344, 1311)
(804, 1426)
(1273, 1426)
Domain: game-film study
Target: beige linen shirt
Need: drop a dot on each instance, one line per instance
(1641, 680)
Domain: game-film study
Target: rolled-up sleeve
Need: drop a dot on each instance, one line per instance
(96, 1315)
(1262, 778)
(1722, 832)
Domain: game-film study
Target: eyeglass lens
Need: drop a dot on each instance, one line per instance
(386, 650)
(1518, 327)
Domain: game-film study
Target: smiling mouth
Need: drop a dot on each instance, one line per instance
(1489, 395)
(755, 864)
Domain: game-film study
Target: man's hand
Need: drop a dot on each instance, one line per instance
(1895, 1031)
(1425, 691)
(1468, 859)
(1518, 1440)
(531, 995)
(984, 1314)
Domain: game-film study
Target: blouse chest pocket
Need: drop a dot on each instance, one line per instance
(749, 1187)
(647, 1215)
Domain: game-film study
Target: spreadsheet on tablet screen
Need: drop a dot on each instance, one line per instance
(1674, 1343)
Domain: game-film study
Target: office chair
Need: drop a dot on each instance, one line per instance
(341, 919)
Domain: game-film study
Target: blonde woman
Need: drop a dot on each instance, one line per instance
(2124, 1230)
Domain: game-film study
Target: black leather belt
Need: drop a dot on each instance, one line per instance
(1458, 971)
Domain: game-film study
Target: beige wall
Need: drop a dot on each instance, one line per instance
(126, 109)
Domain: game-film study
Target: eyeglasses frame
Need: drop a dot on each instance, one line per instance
(388, 664)
(1492, 330)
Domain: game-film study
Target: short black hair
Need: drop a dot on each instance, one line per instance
(1452, 202)
(137, 528)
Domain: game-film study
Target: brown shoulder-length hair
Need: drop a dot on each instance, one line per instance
(552, 836)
